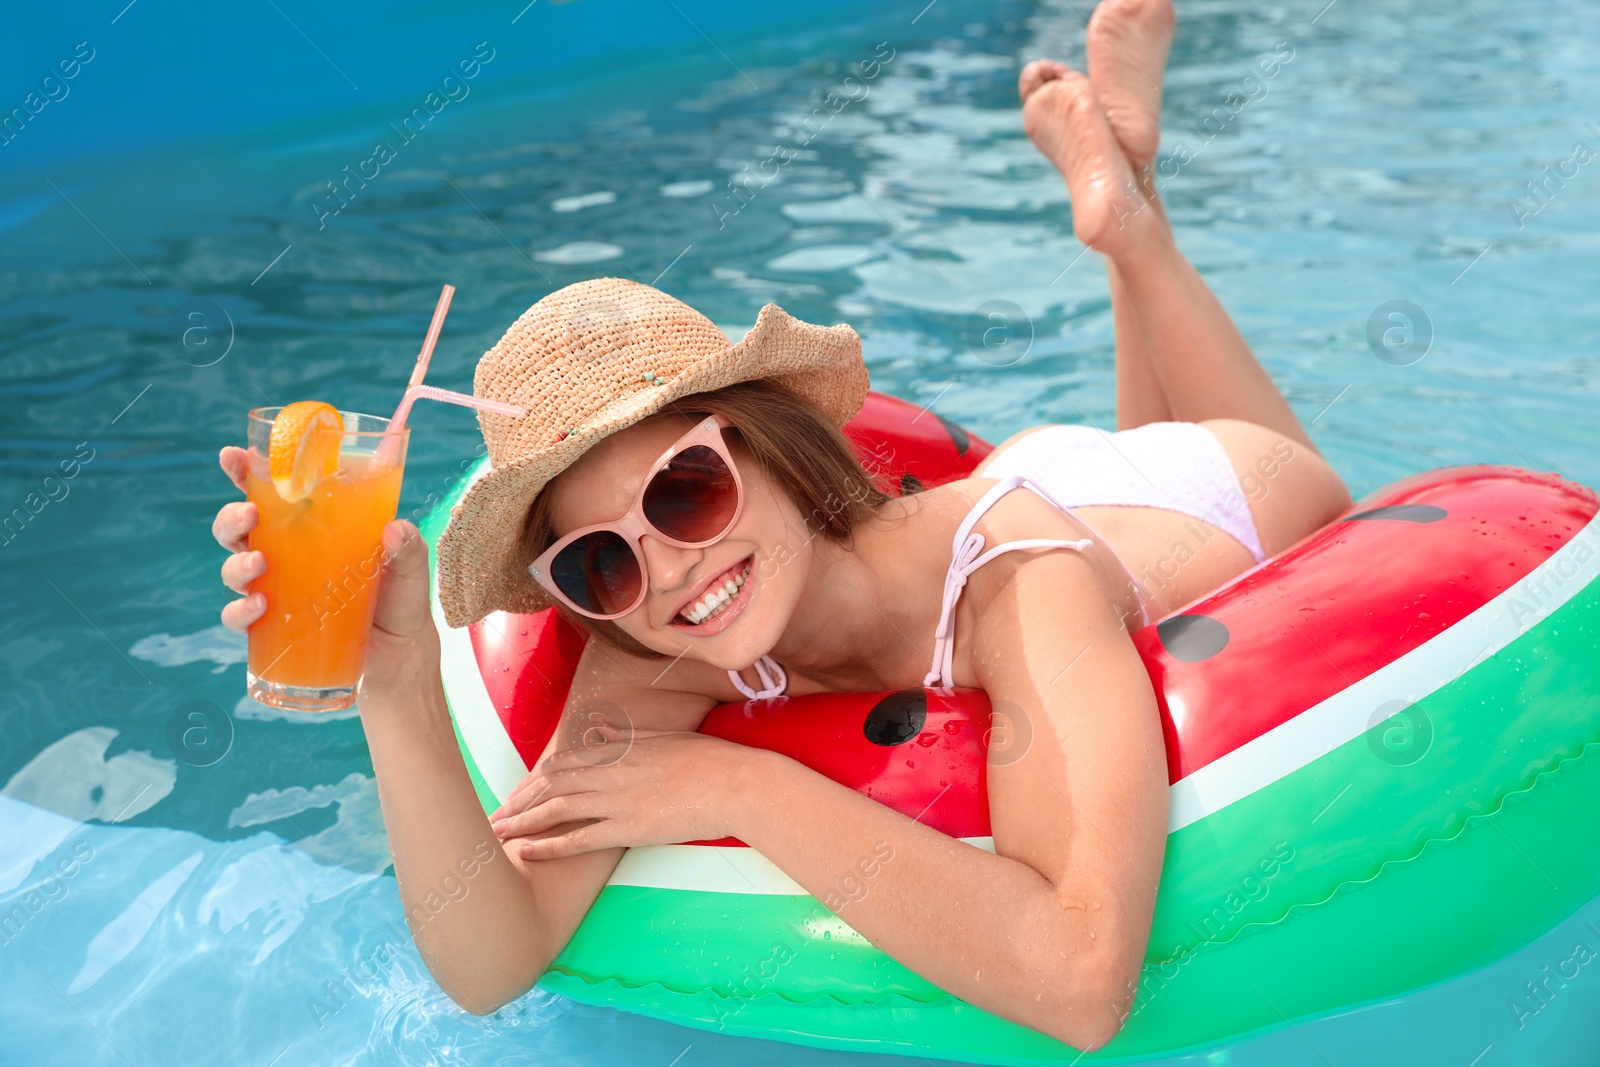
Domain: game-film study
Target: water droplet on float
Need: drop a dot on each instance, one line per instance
(911, 764)
(1424, 616)
(827, 935)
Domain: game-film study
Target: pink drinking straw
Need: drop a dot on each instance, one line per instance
(391, 437)
(439, 312)
(415, 388)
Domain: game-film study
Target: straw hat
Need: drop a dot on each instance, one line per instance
(589, 360)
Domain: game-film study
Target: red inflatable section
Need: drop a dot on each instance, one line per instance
(911, 448)
(1394, 571)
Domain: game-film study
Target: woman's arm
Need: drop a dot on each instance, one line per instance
(478, 923)
(486, 922)
(1051, 931)
(483, 928)
(475, 919)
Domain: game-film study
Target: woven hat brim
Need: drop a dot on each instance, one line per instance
(482, 562)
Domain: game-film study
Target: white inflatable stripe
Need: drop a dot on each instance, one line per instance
(480, 725)
(1348, 714)
(485, 736)
(716, 869)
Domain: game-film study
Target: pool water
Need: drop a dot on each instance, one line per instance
(173, 254)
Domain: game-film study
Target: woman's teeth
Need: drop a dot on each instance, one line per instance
(714, 601)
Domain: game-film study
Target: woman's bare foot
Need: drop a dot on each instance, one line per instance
(1037, 73)
(1063, 117)
(1126, 45)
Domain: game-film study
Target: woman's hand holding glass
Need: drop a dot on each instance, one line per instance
(403, 636)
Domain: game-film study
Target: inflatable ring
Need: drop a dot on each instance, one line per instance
(1376, 740)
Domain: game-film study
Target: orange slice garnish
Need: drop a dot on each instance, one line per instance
(305, 447)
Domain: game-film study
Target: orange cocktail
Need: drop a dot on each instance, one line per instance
(324, 490)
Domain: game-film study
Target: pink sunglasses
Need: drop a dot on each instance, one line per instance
(690, 499)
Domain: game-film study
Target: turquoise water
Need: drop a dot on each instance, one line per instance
(184, 174)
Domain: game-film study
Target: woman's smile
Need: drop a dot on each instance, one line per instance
(715, 601)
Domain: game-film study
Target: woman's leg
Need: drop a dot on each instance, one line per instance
(1126, 48)
(1141, 398)
(1174, 341)
(1169, 325)
(1139, 395)
(1206, 369)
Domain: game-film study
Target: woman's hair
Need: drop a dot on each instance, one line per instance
(797, 446)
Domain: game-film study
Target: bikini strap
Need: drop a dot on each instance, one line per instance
(967, 555)
(774, 680)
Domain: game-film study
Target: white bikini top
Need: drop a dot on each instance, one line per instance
(966, 556)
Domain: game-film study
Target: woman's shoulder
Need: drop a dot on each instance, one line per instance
(932, 518)
(936, 515)
(1016, 514)
(1022, 514)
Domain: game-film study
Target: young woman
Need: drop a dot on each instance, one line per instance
(693, 505)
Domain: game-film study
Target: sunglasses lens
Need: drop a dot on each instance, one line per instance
(694, 497)
(598, 572)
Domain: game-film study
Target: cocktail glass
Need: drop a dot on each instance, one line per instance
(324, 555)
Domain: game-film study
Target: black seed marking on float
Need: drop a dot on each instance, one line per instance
(910, 483)
(897, 718)
(1402, 512)
(1192, 638)
(958, 437)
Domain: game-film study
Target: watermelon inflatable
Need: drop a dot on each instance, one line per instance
(1378, 741)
